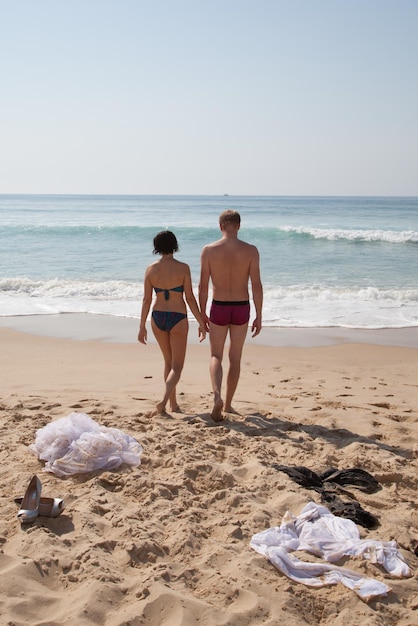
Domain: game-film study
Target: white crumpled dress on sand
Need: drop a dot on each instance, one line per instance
(77, 444)
(319, 532)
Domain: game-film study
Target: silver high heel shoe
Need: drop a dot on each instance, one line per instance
(29, 508)
(48, 507)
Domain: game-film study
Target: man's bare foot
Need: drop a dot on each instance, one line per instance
(176, 409)
(216, 414)
(230, 409)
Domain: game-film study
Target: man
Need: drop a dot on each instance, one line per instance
(230, 264)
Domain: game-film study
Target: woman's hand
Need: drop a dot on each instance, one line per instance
(202, 332)
(206, 320)
(142, 335)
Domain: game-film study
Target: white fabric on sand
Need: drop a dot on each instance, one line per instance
(319, 532)
(77, 444)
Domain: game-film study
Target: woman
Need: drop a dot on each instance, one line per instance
(171, 281)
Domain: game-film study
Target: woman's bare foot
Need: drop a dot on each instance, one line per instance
(176, 409)
(159, 410)
(216, 414)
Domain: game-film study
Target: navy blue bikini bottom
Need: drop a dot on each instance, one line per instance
(166, 320)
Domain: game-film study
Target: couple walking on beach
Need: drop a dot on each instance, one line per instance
(230, 264)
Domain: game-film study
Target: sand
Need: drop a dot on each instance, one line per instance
(167, 542)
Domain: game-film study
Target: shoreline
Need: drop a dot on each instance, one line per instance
(123, 330)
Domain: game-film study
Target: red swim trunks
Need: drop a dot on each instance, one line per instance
(225, 313)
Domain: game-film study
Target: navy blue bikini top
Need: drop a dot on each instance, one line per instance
(167, 291)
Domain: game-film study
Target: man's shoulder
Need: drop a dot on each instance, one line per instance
(210, 246)
(245, 243)
(230, 244)
(248, 247)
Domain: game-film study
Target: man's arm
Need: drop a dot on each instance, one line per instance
(257, 290)
(191, 301)
(204, 285)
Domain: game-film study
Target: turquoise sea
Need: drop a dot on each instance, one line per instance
(325, 261)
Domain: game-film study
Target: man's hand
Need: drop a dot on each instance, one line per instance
(256, 327)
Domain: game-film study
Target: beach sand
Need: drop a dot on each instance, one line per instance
(167, 542)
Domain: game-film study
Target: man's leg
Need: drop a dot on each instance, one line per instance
(237, 336)
(217, 337)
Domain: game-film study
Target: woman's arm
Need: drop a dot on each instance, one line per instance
(191, 301)
(146, 304)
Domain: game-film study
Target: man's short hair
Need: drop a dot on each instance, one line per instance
(230, 217)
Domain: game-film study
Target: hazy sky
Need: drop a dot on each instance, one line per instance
(269, 97)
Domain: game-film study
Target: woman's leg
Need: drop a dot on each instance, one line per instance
(173, 347)
(178, 345)
(163, 340)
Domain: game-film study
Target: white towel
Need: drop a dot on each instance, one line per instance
(319, 532)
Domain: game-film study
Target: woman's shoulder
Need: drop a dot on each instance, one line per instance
(151, 268)
(183, 266)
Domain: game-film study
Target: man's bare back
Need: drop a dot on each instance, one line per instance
(229, 264)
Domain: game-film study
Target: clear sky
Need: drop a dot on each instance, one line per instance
(257, 97)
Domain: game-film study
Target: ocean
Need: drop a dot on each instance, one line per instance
(347, 262)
